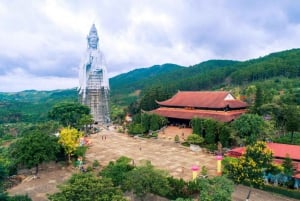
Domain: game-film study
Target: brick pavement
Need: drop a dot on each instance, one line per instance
(163, 154)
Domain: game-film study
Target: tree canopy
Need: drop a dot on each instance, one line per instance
(87, 187)
(249, 126)
(34, 148)
(69, 139)
(69, 113)
(145, 179)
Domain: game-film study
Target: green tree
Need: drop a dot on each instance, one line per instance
(288, 167)
(152, 121)
(116, 171)
(34, 149)
(196, 125)
(145, 179)
(85, 121)
(135, 128)
(68, 114)
(258, 99)
(151, 95)
(3, 175)
(87, 187)
(249, 126)
(292, 116)
(215, 189)
(69, 139)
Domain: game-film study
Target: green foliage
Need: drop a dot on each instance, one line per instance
(292, 116)
(80, 151)
(7, 164)
(151, 95)
(69, 113)
(116, 171)
(145, 179)
(87, 187)
(117, 113)
(212, 131)
(225, 134)
(282, 191)
(195, 139)
(84, 121)
(19, 198)
(5, 197)
(204, 170)
(215, 189)
(34, 148)
(287, 165)
(258, 99)
(96, 164)
(286, 139)
(249, 126)
(196, 125)
(152, 122)
(3, 175)
(178, 189)
(135, 128)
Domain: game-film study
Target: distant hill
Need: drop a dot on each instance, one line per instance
(31, 105)
(274, 70)
(208, 75)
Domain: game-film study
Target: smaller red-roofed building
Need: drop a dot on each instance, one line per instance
(185, 105)
(280, 151)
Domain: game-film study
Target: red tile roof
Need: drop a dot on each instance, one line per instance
(203, 99)
(278, 150)
(180, 113)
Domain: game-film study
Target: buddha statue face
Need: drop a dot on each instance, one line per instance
(93, 38)
(93, 41)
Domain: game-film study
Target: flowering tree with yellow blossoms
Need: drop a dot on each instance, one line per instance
(249, 167)
(69, 139)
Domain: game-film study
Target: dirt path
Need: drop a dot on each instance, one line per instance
(163, 154)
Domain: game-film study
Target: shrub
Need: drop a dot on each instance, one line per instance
(96, 164)
(195, 139)
(80, 151)
(178, 188)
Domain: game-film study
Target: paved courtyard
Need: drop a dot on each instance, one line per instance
(163, 153)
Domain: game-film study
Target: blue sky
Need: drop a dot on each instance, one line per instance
(42, 42)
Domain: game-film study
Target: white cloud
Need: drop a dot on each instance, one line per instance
(16, 80)
(46, 39)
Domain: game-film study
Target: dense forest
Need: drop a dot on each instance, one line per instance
(209, 75)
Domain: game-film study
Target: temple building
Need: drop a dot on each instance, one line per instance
(93, 80)
(185, 105)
